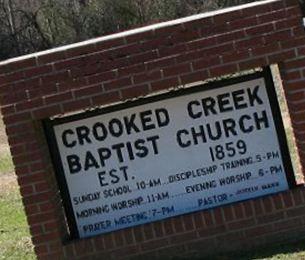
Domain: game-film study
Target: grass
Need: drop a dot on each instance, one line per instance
(15, 240)
(6, 163)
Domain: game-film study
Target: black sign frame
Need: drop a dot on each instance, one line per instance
(49, 124)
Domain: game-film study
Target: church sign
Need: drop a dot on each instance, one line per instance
(171, 154)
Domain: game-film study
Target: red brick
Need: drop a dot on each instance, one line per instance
(51, 57)
(218, 50)
(291, 43)
(81, 50)
(137, 37)
(158, 229)
(249, 43)
(228, 17)
(17, 118)
(238, 210)
(29, 104)
(131, 70)
(258, 231)
(206, 62)
(227, 37)
(294, 11)
(287, 199)
(228, 213)
(264, 28)
(214, 30)
(119, 238)
(185, 35)
(27, 190)
(298, 63)
(295, 85)
(202, 43)
(297, 197)
(135, 91)
(184, 238)
(177, 70)
(296, 96)
(194, 77)
(109, 43)
(188, 222)
(168, 30)
(168, 227)
(257, 206)
(155, 43)
(117, 84)
(12, 77)
(241, 224)
(36, 230)
(293, 75)
(154, 244)
(47, 112)
(88, 91)
(178, 224)
(55, 77)
(59, 98)
(250, 64)
(38, 71)
(128, 236)
(143, 57)
(70, 63)
(277, 5)
(270, 218)
(240, 24)
(160, 63)
(208, 219)
(211, 231)
(41, 187)
(223, 70)
(76, 105)
(20, 65)
(278, 36)
(148, 231)
(248, 209)
(148, 76)
(253, 11)
(70, 84)
(272, 16)
(46, 206)
(30, 178)
(47, 89)
(123, 51)
(40, 218)
(288, 224)
(165, 83)
(236, 56)
(106, 98)
(138, 234)
(277, 201)
(125, 251)
(276, 58)
(41, 249)
(176, 49)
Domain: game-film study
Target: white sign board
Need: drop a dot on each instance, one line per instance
(185, 152)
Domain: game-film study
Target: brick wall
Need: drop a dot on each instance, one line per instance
(136, 63)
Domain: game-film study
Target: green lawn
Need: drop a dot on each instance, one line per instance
(15, 242)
